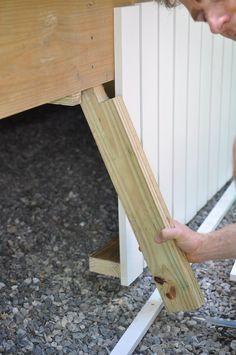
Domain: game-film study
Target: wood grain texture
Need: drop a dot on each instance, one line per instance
(52, 49)
(106, 260)
(71, 100)
(136, 186)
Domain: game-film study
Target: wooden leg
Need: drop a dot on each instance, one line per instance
(137, 189)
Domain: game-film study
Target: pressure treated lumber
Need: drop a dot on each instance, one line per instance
(52, 49)
(71, 100)
(106, 260)
(136, 186)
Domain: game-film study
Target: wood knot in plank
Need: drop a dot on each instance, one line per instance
(171, 294)
(159, 280)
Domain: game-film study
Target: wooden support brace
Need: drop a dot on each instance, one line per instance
(136, 186)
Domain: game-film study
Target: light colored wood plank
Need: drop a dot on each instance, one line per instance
(140, 325)
(144, 319)
(71, 100)
(127, 84)
(52, 49)
(136, 186)
(106, 261)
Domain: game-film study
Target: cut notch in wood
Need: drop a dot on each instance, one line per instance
(71, 100)
(137, 189)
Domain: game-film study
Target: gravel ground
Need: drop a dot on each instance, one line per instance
(57, 206)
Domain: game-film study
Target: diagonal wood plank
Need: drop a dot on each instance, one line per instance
(136, 186)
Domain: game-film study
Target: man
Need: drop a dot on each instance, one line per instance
(219, 14)
(220, 244)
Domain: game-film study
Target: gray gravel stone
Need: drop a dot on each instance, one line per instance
(57, 207)
(233, 345)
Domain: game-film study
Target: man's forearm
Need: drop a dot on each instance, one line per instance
(220, 244)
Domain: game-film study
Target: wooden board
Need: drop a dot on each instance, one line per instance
(106, 261)
(136, 186)
(71, 100)
(52, 49)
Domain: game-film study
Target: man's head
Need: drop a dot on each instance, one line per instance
(220, 14)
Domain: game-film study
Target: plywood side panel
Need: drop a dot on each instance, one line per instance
(52, 49)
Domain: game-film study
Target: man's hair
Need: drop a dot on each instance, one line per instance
(169, 3)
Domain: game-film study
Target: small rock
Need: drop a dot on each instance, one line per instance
(64, 322)
(2, 285)
(35, 280)
(27, 281)
(15, 310)
(233, 344)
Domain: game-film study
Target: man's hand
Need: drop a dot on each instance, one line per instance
(219, 244)
(188, 241)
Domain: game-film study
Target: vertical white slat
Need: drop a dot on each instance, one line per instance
(149, 82)
(232, 129)
(127, 84)
(194, 69)
(215, 110)
(165, 100)
(180, 112)
(204, 115)
(225, 160)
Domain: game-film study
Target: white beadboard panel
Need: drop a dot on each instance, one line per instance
(215, 114)
(127, 84)
(166, 22)
(179, 85)
(204, 116)
(224, 160)
(232, 129)
(180, 112)
(193, 97)
(149, 82)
